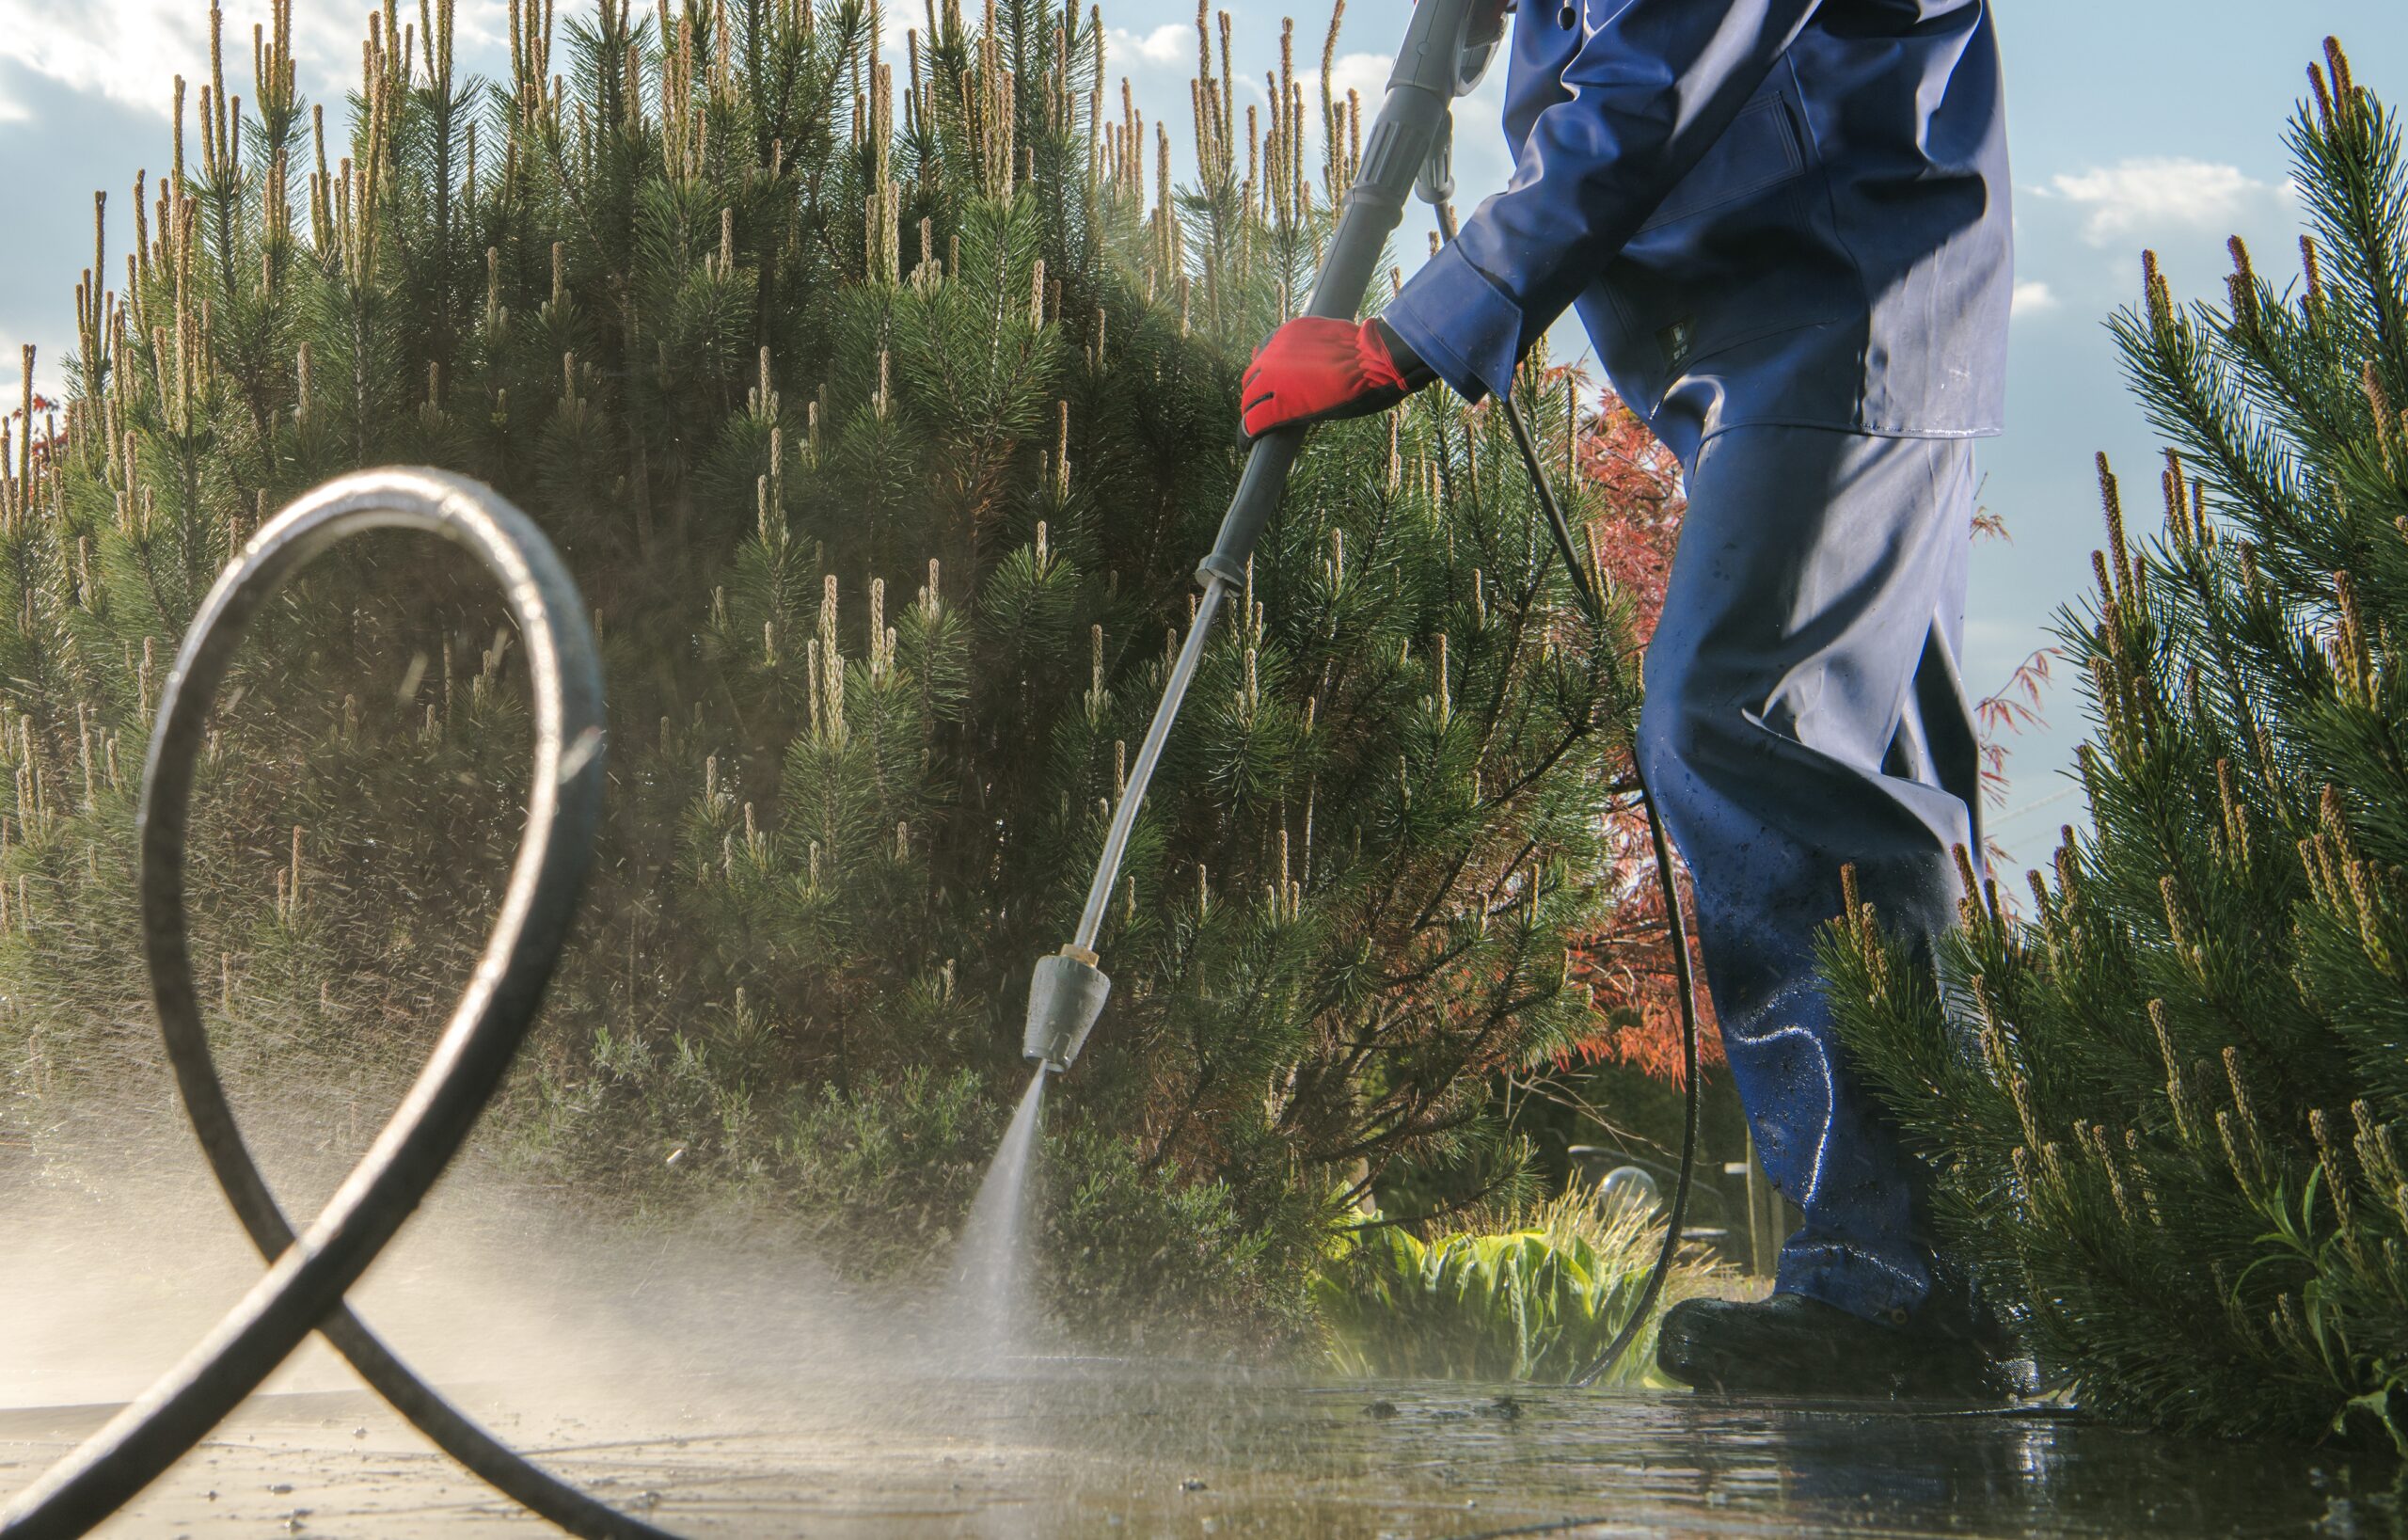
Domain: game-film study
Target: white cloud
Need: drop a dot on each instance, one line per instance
(1367, 74)
(131, 51)
(2139, 198)
(896, 25)
(1168, 43)
(2034, 297)
(125, 50)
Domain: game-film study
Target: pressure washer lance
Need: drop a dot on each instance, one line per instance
(1448, 45)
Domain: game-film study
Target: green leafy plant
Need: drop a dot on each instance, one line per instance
(1533, 1295)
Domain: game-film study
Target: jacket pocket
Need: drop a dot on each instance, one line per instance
(1758, 150)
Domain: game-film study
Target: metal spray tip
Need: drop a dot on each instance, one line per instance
(1065, 997)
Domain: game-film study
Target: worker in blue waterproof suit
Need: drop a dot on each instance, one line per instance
(1786, 224)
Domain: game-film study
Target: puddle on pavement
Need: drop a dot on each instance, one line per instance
(1073, 1450)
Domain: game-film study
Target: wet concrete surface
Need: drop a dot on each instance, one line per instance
(1116, 1452)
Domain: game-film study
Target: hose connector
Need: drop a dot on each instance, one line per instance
(1065, 997)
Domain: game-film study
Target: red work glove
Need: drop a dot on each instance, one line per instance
(1319, 371)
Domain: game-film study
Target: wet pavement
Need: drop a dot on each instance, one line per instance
(1068, 1450)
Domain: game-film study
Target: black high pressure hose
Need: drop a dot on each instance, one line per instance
(1675, 912)
(304, 1288)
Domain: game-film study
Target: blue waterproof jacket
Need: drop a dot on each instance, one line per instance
(1766, 211)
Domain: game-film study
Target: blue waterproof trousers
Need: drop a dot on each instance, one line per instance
(1804, 711)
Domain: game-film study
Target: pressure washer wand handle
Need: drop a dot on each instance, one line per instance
(1124, 818)
(1431, 68)
(1445, 46)
(1067, 991)
(1440, 47)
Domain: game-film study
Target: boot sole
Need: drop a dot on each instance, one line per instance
(1828, 1372)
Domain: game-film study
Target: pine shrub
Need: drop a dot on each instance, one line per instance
(2165, 1101)
(882, 414)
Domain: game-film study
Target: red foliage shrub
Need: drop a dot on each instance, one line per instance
(1629, 968)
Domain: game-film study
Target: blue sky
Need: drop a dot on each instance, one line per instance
(2133, 123)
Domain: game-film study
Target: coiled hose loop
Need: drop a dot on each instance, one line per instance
(308, 1273)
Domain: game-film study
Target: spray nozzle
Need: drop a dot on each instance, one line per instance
(1064, 996)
